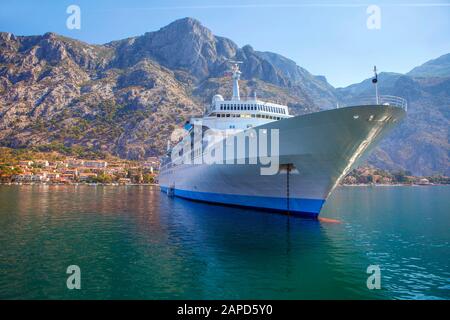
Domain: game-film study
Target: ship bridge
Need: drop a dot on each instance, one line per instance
(240, 114)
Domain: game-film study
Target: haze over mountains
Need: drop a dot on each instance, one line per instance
(126, 97)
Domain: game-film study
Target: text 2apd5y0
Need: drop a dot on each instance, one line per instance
(233, 309)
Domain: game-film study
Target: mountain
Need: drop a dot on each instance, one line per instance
(439, 67)
(126, 97)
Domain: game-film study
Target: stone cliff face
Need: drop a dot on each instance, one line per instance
(126, 97)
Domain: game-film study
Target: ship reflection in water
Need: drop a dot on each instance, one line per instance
(133, 242)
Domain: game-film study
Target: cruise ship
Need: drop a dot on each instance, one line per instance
(313, 152)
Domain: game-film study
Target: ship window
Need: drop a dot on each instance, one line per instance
(253, 115)
(228, 115)
(234, 107)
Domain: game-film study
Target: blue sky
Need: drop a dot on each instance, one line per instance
(326, 37)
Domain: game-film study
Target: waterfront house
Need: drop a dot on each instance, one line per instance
(70, 174)
(86, 176)
(53, 176)
(124, 181)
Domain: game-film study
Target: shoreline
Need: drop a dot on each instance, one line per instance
(79, 184)
(156, 184)
(393, 185)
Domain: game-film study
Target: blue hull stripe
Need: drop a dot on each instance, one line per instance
(306, 207)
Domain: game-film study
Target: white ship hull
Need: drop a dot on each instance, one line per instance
(322, 147)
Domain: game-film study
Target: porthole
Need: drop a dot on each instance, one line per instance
(355, 116)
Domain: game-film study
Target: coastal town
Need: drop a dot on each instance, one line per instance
(57, 169)
(54, 168)
(369, 175)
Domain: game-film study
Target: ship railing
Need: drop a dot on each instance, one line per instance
(385, 100)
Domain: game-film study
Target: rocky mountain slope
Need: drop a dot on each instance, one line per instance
(125, 97)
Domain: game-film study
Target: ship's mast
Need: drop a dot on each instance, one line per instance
(236, 74)
(375, 82)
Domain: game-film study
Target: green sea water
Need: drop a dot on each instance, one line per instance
(133, 242)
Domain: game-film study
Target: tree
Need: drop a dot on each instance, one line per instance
(148, 178)
(104, 178)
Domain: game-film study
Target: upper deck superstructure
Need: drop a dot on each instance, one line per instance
(240, 114)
